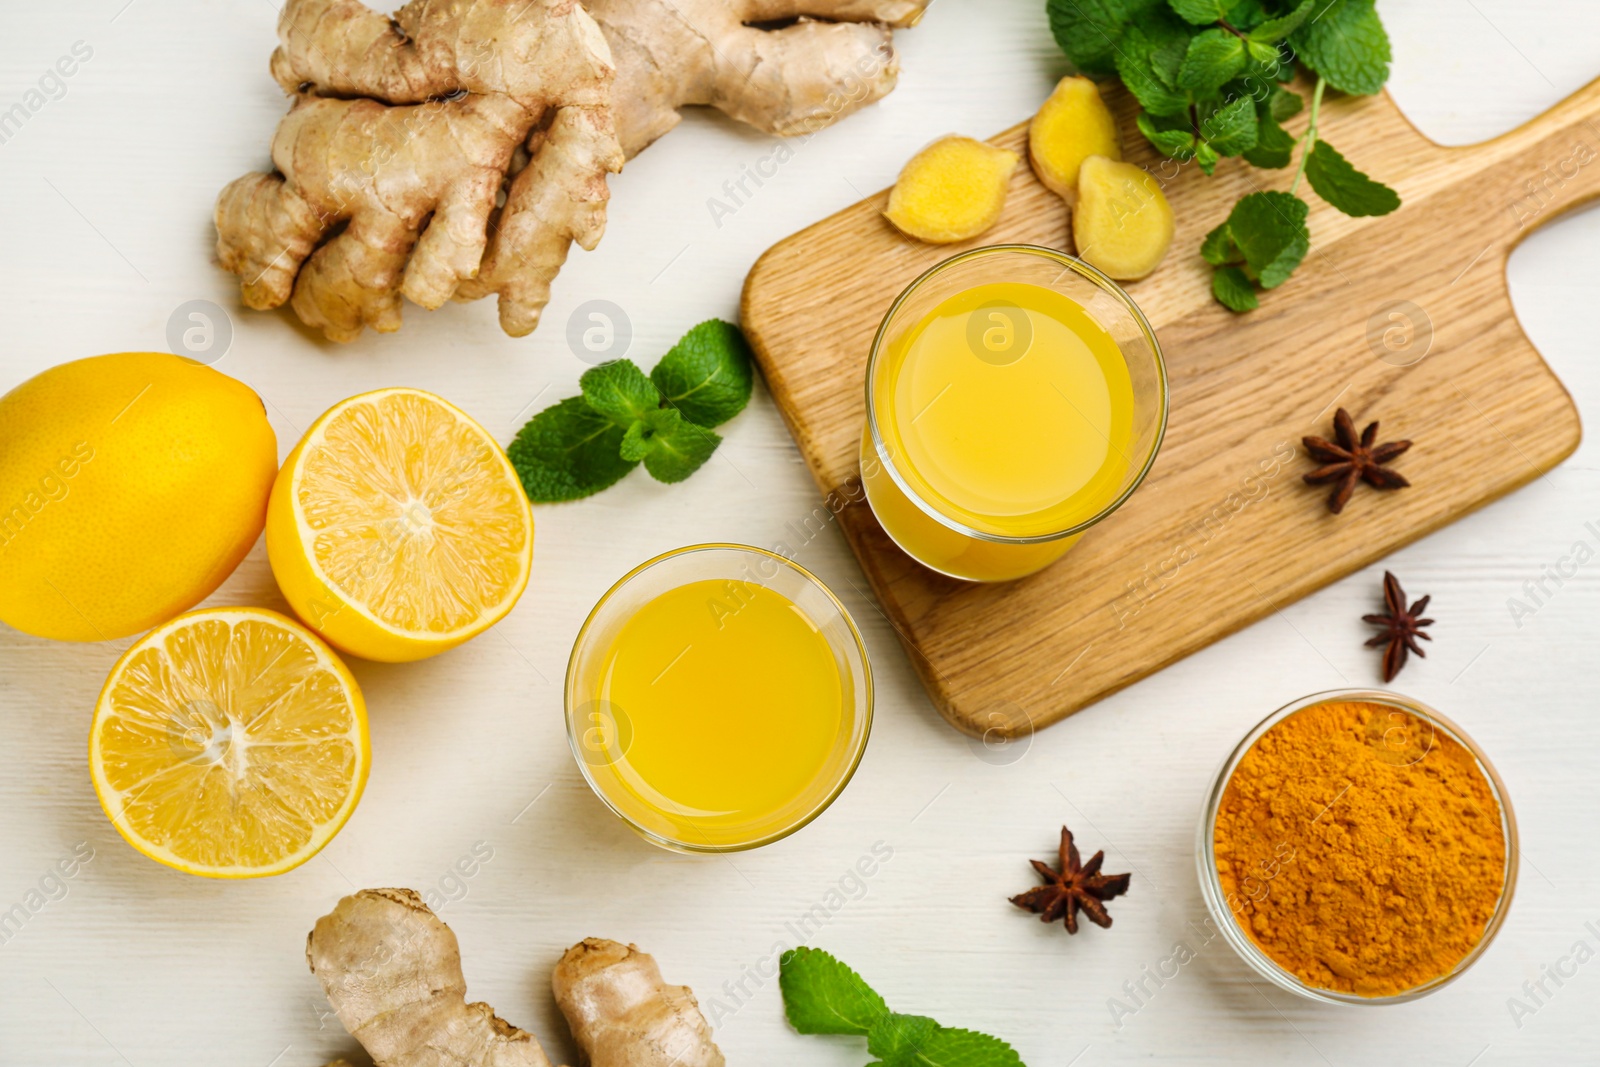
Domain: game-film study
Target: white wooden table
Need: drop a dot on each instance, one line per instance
(105, 229)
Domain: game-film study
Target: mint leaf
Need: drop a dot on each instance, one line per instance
(619, 391)
(1264, 55)
(635, 444)
(671, 446)
(707, 374)
(1211, 61)
(568, 451)
(1246, 15)
(1276, 29)
(1207, 157)
(823, 996)
(1166, 58)
(1270, 232)
(1265, 235)
(1218, 247)
(1274, 146)
(1171, 137)
(899, 1038)
(1233, 289)
(1135, 61)
(949, 1047)
(1201, 12)
(918, 1041)
(1088, 30)
(1347, 45)
(1346, 188)
(1231, 129)
(1284, 104)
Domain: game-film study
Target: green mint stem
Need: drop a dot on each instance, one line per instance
(1311, 135)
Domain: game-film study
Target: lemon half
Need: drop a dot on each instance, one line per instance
(397, 527)
(229, 743)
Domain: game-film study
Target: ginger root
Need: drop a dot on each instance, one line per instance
(952, 190)
(402, 129)
(392, 972)
(623, 1014)
(1072, 125)
(1122, 222)
(824, 60)
(460, 147)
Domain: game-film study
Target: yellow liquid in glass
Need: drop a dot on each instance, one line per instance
(730, 710)
(1008, 409)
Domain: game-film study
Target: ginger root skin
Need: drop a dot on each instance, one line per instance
(402, 131)
(952, 190)
(391, 970)
(1072, 125)
(408, 131)
(1122, 222)
(623, 1014)
(828, 59)
(392, 973)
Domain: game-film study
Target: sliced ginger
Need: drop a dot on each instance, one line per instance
(951, 190)
(1122, 222)
(1072, 125)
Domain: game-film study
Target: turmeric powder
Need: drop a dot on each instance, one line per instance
(1361, 848)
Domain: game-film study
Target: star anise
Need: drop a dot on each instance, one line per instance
(1402, 626)
(1353, 460)
(1076, 885)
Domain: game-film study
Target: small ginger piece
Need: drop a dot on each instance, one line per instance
(1072, 125)
(952, 190)
(392, 973)
(623, 1014)
(1122, 222)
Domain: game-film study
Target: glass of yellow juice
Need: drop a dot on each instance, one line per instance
(718, 698)
(1016, 396)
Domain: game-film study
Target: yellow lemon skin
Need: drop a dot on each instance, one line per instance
(131, 485)
(332, 613)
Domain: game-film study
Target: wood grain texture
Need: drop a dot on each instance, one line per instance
(1223, 532)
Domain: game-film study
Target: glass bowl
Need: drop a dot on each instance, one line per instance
(1216, 900)
(598, 734)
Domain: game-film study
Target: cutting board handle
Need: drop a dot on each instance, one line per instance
(1549, 165)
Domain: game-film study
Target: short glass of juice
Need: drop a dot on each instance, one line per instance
(718, 698)
(1016, 396)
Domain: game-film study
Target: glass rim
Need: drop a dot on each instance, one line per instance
(1095, 277)
(859, 735)
(1253, 954)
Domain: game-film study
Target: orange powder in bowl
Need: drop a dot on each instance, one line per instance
(1361, 848)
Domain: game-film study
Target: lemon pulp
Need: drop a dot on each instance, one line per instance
(398, 528)
(230, 743)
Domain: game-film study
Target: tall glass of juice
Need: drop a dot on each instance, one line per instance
(718, 698)
(1016, 397)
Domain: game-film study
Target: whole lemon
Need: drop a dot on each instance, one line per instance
(131, 485)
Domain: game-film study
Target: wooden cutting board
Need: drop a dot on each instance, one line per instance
(1224, 531)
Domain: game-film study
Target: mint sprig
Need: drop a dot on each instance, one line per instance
(1210, 78)
(590, 442)
(823, 996)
